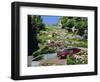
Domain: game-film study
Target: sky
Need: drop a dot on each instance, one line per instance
(50, 19)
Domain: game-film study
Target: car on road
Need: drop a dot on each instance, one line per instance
(67, 51)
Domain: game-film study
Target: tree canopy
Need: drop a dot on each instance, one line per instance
(35, 24)
(80, 23)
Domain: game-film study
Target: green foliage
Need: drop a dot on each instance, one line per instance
(43, 50)
(79, 23)
(73, 61)
(39, 51)
(37, 23)
(70, 23)
(81, 43)
(70, 60)
(48, 50)
(67, 22)
(64, 21)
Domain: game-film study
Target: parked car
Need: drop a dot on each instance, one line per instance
(68, 51)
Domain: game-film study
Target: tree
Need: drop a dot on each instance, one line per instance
(35, 24)
(67, 22)
(64, 21)
(80, 23)
(70, 23)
